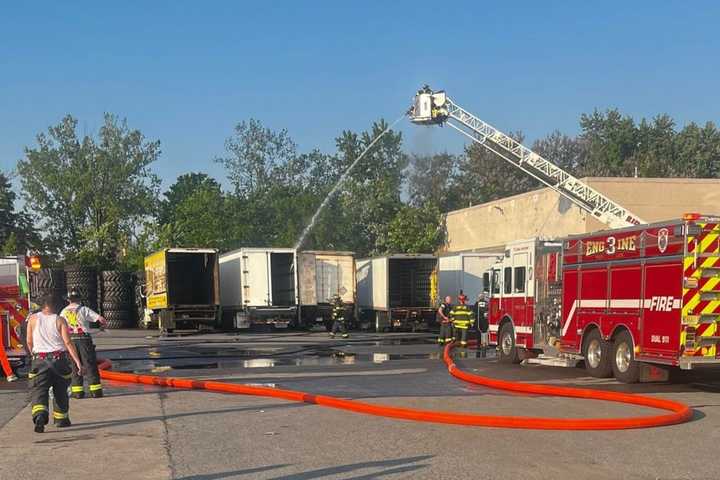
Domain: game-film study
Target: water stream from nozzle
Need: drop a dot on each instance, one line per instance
(340, 181)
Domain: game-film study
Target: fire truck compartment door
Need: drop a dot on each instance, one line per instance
(662, 304)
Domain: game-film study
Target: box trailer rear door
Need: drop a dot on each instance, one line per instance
(335, 274)
(256, 288)
(307, 279)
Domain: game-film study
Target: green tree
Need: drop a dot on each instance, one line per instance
(433, 180)
(371, 197)
(91, 194)
(197, 218)
(17, 232)
(184, 187)
(10, 245)
(415, 230)
(257, 157)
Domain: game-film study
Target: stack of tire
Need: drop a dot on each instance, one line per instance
(118, 306)
(48, 281)
(84, 280)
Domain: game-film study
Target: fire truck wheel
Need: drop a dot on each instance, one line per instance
(597, 352)
(507, 351)
(624, 366)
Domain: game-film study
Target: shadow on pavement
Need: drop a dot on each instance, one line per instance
(231, 474)
(78, 427)
(400, 465)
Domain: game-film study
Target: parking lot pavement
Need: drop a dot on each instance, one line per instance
(148, 432)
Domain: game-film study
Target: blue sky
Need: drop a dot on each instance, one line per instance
(186, 72)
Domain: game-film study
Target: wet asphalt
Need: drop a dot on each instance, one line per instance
(213, 436)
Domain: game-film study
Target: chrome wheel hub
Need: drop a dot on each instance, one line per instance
(623, 357)
(594, 353)
(507, 343)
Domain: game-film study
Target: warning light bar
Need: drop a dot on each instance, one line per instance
(690, 217)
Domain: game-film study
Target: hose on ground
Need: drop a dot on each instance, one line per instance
(679, 412)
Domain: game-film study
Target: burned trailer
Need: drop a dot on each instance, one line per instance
(397, 292)
(321, 276)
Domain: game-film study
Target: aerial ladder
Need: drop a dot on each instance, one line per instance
(436, 108)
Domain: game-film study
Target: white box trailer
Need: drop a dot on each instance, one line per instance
(466, 272)
(396, 291)
(259, 286)
(323, 274)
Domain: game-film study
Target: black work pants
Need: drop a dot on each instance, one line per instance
(339, 325)
(86, 351)
(445, 332)
(461, 333)
(49, 372)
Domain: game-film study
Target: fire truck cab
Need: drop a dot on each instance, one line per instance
(525, 295)
(622, 300)
(13, 307)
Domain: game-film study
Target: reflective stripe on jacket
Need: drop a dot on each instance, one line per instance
(461, 316)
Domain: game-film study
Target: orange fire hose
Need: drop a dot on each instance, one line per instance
(680, 412)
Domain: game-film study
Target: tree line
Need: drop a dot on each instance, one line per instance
(97, 200)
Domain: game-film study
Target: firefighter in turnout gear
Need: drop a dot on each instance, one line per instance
(462, 317)
(481, 311)
(338, 317)
(49, 341)
(443, 314)
(79, 318)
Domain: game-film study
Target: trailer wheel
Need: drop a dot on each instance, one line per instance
(597, 353)
(625, 368)
(507, 351)
(380, 322)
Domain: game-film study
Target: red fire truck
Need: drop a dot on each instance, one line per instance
(13, 306)
(621, 300)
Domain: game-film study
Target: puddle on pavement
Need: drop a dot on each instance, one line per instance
(319, 357)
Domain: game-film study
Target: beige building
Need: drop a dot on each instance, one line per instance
(545, 213)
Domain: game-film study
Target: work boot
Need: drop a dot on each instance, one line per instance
(96, 394)
(40, 421)
(63, 423)
(78, 395)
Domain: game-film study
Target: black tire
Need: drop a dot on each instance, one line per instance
(110, 305)
(597, 353)
(624, 366)
(113, 276)
(507, 351)
(117, 318)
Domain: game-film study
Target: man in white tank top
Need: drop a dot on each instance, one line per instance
(49, 342)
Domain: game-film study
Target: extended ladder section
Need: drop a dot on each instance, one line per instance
(436, 108)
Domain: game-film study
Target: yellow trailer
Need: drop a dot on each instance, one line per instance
(182, 288)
